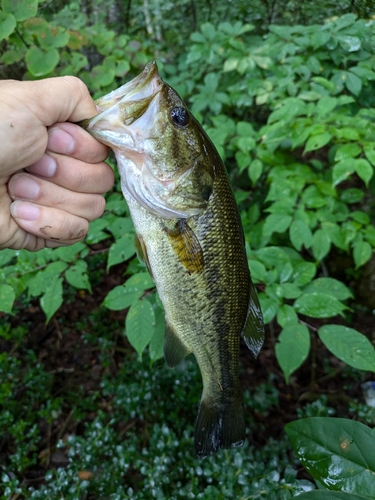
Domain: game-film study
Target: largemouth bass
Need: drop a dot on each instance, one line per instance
(189, 234)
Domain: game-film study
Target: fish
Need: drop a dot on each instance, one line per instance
(189, 235)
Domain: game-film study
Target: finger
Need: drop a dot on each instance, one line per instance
(27, 187)
(74, 174)
(50, 224)
(59, 99)
(70, 139)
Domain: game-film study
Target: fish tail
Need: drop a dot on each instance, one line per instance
(219, 426)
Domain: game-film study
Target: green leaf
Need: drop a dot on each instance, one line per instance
(258, 271)
(320, 244)
(277, 223)
(326, 104)
(342, 170)
(288, 290)
(330, 286)
(41, 281)
(122, 297)
(41, 62)
(292, 348)
(77, 276)
(269, 307)
(337, 452)
(300, 234)
(370, 153)
(348, 345)
(7, 296)
(346, 151)
(353, 83)
(364, 170)
(317, 141)
(121, 250)
(8, 24)
(318, 305)
(21, 9)
(286, 315)
(140, 325)
(255, 171)
(362, 253)
(52, 299)
(352, 195)
(330, 495)
(303, 273)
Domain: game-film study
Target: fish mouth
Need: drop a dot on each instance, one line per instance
(122, 107)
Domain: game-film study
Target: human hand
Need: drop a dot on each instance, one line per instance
(52, 173)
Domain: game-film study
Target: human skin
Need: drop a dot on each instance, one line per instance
(52, 172)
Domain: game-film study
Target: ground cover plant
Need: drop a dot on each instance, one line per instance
(291, 109)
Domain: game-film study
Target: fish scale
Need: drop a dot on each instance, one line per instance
(189, 234)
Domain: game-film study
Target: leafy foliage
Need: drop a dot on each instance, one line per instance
(291, 109)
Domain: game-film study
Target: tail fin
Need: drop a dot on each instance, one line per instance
(219, 426)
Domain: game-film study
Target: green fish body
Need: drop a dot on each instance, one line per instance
(189, 234)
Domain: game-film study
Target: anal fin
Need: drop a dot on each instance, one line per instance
(174, 349)
(253, 332)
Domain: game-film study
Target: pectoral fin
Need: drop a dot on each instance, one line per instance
(186, 246)
(141, 250)
(174, 349)
(253, 332)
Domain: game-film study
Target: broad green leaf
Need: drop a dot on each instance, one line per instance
(258, 271)
(288, 290)
(353, 83)
(121, 250)
(292, 348)
(8, 24)
(156, 347)
(69, 254)
(269, 307)
(320, 244)
(6, 256)
(364, 170)
(286, 315)
(140, 325)
(41, 62)
(370, 153)
(300, 234)
(346, 151)
(96, 233)
(337, 452)
(121, 226)
(326, 104)
(52, 299)
(360, 217)
(21, 9)
(255, 171)
(342, 170)
(348, 345)
(140, 281)
(77, 276)
(40, 283)
(362, 253)
(276, 223)
(7, 296)
(317, 141)
(330, 495)
(318, 305)
(303, 273)
(330, 286)
(122, 297)
(352, 195)
(334, 234)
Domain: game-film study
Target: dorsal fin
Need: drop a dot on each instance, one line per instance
(174, 349)
(186, 246)
(253, 331)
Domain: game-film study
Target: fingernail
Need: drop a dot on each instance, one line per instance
(46, 166)
(24, 210)
(24, 186)
(60, 141)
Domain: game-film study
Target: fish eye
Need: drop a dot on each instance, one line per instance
(180, 116)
